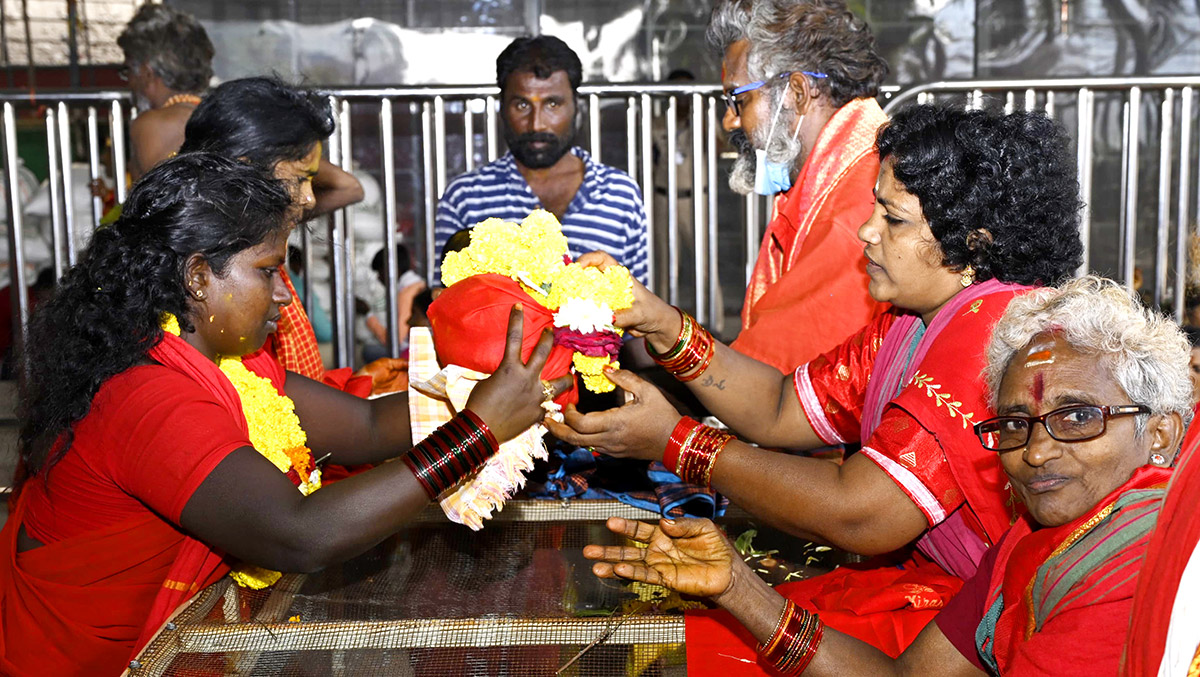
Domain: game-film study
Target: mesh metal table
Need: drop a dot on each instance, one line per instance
(517, 598)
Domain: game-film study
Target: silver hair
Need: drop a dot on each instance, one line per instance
(172, 43)
(1147, 353)
(802, 35)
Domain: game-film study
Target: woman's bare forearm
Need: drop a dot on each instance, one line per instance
(755, 400)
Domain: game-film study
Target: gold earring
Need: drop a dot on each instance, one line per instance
(199, 294)
(968, 277)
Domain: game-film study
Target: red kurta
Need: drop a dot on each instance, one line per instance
(809, 287)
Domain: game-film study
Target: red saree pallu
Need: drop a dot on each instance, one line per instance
(86, 604)
(1061, 597)
(808, 291)
(934, 375)
(1171, 546)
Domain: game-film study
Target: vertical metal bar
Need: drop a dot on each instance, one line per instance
(1030, 99)
(631, 137)
(306, 254)
(388, 148)
(1182, 231)
(439, 140)
(594, 125)
(116, 125)
(93, 128)
(648, 188)
(342, 338)
(1049, 103)
(490, 112)
(699, 227)
(16, 233)
(64, 148)
(672, 203)
(1084, 170)
(977, 99)
(348, 235)
(1134, 122)
(427, 171)
(1162, 248)
(709, 190)
(56, 237)
(751, 235)
(468, 135)
(1009, 103)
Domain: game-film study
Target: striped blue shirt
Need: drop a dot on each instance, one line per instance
(606, 213)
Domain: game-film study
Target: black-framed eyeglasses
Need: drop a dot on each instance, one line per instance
(731, 96)
(1076, 423)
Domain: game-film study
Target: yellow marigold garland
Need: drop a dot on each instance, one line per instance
(534, 254)
(275, 433)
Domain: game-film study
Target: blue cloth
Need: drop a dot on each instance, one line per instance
(606, 213)
(574, 473)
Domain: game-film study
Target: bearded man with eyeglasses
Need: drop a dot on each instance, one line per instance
(800, 77)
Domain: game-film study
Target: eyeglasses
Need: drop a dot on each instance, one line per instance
(731, 96)
(1076, 423)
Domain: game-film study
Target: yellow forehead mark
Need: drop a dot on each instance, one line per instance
(1039, 358)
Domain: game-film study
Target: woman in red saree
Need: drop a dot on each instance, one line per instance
(158, 456)
(1093, 395)
(961, 195)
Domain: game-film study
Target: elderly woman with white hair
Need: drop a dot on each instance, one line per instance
(1092, 395)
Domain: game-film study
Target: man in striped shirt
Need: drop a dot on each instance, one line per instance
(600, 207)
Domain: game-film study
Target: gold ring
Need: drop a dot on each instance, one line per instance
(547, 390)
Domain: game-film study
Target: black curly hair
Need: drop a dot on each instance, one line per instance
(106, 314)
(999, 191)
(260, 120)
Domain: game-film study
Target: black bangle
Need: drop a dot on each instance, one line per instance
(451, 452)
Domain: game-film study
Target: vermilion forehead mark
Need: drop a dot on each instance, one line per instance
(1039, 387)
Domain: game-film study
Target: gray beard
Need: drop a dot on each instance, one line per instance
(781, 147)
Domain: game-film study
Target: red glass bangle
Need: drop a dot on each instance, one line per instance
(794, 643)
(451, 452)
(675, 442)
(698, 455)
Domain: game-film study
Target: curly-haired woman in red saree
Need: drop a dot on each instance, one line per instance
(158, 457)
(972, 208)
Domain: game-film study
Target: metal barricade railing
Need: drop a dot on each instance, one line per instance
(449, 130)
(1146, 113)
(456, 129)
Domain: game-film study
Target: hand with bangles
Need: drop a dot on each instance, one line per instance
(649, 315)
(637, 429)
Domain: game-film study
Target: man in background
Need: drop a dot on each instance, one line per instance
(600, 207)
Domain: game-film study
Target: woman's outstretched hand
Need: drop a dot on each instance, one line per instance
(691, 556)
(648, 314)
(639, 428)
(510, 400)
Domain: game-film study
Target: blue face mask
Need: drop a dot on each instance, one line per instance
(772, 177)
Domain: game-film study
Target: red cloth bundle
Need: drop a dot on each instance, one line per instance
(469, 321)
